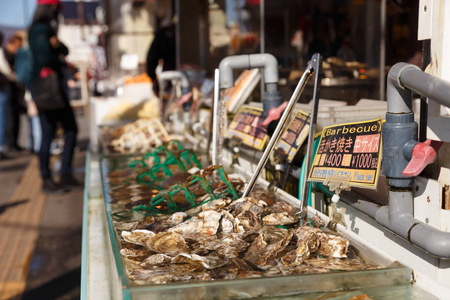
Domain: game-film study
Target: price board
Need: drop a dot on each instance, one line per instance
(246, 126)
(349, 152)
(293, 137)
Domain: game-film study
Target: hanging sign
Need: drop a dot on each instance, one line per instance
(293, 137)
(246, 126)
(349, 152)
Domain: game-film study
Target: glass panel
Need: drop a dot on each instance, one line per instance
(395, 276)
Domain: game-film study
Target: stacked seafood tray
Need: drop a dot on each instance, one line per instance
(180, 230)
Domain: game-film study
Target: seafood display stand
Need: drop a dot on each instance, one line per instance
(106, 278)
(104, 273)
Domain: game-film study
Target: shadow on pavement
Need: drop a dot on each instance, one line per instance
(58, 287)
(4, 207)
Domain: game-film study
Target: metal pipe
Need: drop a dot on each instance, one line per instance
(174, 75)
(264, 60)
(277, 134)
(215, 132)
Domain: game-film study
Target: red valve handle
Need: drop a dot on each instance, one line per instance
(183, 99)
(274, 114)
(423, 154)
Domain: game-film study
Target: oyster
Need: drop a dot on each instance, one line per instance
(205, 224)
(177, 218)
(250, 221)
(156, 259)
(265, 249)
(281, 206)
(163, 274)
(307, 243)
(332, 245)
(167, 242)
(247, 204)
(210, 222)
(228, 224)
(139, 236)
(216, 204)
(282, 218)
(230, 245)
(207, 262)
(134, 253)
(265, 195)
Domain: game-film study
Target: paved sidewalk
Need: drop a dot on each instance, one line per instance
(40, 244)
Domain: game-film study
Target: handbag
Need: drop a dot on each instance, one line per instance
(47, 94)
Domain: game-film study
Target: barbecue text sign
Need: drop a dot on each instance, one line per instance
(349, 152)
(293, 137)
(246, 126)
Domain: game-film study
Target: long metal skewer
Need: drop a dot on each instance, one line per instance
(216, 120)
(284, 118)
(316, 63)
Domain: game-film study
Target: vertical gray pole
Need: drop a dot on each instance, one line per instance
(216, 160)
(262, 26)
(262, 42)
(382, 48)
(177, 34)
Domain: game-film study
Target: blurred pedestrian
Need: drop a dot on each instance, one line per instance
(16, 100)
(6, 75)
(161, 49)
(49, 95)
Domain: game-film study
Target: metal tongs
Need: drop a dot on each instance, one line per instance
(315, 65)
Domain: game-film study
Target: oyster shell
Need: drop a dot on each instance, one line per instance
(167, 242)
(177, 218)
(247, 204)
(250, 221)
(207, 262)
(332, 245)
(282, 218)
(263, 251)
(307, 242)
(229, 224)
(138, 237)
(231, 245)
(216, 204)
(134, 253)
(156, 259)
(205, 224)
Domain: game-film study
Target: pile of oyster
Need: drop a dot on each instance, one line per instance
(225, 239)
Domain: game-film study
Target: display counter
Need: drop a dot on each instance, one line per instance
(103, 276)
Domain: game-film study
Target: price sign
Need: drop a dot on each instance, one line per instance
(349, 152)
(246, 126)
(293, 137)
